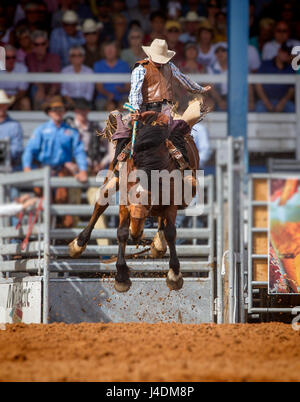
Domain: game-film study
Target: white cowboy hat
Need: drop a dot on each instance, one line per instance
(70, 17)
(4, 99)
(191, 16)
(158, 51)
(90, 26)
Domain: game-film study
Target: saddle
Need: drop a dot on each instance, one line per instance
(155, 118)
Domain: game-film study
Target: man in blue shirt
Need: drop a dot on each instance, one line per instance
(276, 97)
(11, 130)
(56, 144)
(111, 64)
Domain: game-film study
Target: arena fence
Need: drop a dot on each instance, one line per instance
(224, 260)
(82, 289)
(5, 161)
(22, 295)
(230, 234)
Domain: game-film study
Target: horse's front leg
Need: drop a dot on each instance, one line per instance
(78, 245)
(122, 280)
(174, 277)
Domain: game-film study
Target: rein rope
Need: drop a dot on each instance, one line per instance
(31, 222)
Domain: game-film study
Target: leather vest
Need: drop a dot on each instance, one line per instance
(158, 82)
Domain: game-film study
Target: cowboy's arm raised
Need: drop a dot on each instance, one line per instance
(189, 84)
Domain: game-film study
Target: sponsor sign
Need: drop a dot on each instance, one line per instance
(284, 236)
(20, 300)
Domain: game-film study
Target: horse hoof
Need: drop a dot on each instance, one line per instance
(174, 282)
(75, 250)
(123, 287)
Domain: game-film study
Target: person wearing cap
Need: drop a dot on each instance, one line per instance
(276, 97)
(152, 79)
(173, 30)
(91, 30)
(62, 39)
(11, 130)
(58, 145)
(191, 23)
(55, 143)
(82, 9)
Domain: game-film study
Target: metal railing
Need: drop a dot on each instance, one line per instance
(41, 246)
(44, 257)
(230, 238)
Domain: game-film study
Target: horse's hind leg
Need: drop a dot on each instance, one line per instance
(78, 245)
(174, 277)
(122, 280)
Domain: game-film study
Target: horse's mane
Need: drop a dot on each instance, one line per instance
(149, 139)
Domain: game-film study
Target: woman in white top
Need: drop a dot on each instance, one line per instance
(206, 49)
(77, 89)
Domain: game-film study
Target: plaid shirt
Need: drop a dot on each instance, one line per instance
(137, 79)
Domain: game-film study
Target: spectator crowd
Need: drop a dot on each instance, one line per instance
(99, 36)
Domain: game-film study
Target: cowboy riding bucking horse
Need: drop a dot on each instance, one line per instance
(156, 85)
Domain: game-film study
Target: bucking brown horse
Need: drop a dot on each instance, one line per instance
(153, 151)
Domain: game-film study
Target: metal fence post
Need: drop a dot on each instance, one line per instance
(297, 99)
(230, 175)
(2, 192)
(46, 244)
(220, 235)
(242, 194)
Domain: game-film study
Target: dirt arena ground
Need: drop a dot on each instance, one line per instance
(145, 352)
